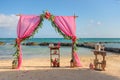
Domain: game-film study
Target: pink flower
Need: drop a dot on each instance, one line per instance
(47, 15)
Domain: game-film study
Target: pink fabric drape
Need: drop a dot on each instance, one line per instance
(26, 26)
(77, 60)
(67, 25)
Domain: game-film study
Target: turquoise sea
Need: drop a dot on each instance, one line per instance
(7, 50)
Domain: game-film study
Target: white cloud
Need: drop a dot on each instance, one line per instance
(8, 20)
(82, 34)
(99, 23)
(91, 21)
(94, 23)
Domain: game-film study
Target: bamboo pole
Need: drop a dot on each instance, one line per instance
(75, 16)
(73, 59)
(18, 14)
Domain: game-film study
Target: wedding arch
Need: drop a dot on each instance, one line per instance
(29, 24)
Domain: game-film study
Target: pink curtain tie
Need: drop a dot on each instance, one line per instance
(74, 38)
(18, 40)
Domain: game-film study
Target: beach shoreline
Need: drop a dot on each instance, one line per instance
(39, 69)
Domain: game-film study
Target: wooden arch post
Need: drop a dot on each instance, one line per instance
(72, 62)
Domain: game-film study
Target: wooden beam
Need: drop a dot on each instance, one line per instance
(18, 14)
(75, 16)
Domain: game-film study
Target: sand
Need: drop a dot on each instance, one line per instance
(39, 69)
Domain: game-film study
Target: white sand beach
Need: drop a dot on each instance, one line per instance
(39, 69)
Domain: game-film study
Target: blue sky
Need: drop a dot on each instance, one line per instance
(97, 18)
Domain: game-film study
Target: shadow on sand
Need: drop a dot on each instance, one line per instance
(50, 73)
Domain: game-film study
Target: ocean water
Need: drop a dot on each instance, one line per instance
(7, 50)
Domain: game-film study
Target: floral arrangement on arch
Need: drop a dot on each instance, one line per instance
(47, 15)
